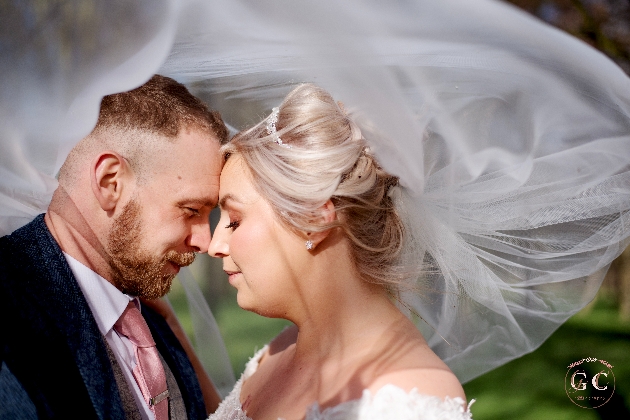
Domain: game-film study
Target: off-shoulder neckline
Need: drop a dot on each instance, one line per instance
(253, 363)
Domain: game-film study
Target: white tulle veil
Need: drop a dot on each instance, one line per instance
(511, 139)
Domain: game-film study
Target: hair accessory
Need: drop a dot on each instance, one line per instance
(309, 244)
(271, 127)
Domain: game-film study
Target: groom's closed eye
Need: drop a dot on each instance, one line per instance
(191, 211)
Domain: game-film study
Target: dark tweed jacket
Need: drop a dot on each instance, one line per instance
(54, 362)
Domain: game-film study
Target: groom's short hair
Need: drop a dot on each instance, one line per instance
(162, 106)
(137, 122)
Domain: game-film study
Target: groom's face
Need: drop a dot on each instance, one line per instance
(167, 219)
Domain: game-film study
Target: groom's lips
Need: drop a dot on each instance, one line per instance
(175, 266)
(172, 268)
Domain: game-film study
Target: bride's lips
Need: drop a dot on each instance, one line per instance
(232, 276)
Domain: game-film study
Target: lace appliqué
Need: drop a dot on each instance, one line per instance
(230, 407)
(389, 402)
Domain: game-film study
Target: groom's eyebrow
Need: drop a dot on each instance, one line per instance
(196, 201)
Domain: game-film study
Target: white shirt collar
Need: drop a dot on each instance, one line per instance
(106, 302)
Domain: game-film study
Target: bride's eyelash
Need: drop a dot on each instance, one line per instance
(232, 225)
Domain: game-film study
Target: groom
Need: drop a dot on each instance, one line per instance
(131, 208)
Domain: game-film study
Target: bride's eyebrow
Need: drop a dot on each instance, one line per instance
(226, 198)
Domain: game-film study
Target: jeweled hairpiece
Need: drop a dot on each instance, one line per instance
(271, 127)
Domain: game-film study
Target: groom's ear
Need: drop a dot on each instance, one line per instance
(328, 215)
(109, 172)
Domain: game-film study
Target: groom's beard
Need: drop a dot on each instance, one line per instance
(135, 271)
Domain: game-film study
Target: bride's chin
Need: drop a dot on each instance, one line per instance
(242, 301)
(250, 306)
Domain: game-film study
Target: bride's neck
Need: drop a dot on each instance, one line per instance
(344, 316)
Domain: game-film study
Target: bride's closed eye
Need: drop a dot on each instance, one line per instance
(233, 225)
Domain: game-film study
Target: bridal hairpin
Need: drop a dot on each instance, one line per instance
(271, 127)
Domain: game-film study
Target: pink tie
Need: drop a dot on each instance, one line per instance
(149, 372)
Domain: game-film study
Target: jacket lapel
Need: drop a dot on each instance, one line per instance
(55, 293)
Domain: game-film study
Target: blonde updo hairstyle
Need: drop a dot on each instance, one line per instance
(325, 157)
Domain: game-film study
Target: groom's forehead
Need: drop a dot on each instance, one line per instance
(188, 170)
(193, 151)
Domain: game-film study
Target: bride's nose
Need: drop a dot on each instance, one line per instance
(219, 246)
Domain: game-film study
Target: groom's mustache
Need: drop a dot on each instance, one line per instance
(182, 259)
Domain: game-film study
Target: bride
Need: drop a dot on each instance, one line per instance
(310, 232)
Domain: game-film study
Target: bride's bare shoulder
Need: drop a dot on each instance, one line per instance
(436, 381)
(420, 368)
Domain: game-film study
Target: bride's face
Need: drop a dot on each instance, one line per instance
(262, 257)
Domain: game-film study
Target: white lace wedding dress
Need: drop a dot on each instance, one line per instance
(389, 402)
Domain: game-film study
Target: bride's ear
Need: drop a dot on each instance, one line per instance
(328, 215)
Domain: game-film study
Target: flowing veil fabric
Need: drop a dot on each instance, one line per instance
(59, 58)
(511, 139)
